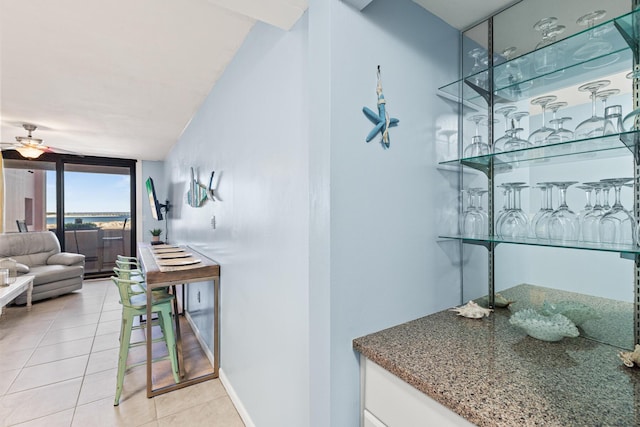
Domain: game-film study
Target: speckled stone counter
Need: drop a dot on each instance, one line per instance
(493, 374)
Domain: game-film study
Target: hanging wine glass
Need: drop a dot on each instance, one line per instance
(590, 226)
(540, 221)
(549, 59)
(477, 146)
(563, 224)
(594, 125)
(506, 110)
(617, 226)
(595, 45)
(538, 136)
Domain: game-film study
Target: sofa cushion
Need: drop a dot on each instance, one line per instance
(54, 273)
(32, 248)
(65, 258)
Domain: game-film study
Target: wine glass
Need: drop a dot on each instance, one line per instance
(595, 46)
(539, 136)
(588, 207)
(548, 60)
(514, 223)
(478, 77)
(539, 223)
(617, 226)
(477, 146)
(505, 111)
(563, 224)
(554, 107)
(594, 125)
(561, 134)
(590, 226)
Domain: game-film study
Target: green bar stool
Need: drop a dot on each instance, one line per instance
(134, 303)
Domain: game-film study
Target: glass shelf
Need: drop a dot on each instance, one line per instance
(626, 251)
(586, 149)
(618, 32)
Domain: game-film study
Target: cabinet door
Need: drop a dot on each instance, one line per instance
(395, 403)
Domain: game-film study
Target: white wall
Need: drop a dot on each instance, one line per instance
(252, 130)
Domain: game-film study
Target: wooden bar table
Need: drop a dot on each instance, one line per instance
(160, 276)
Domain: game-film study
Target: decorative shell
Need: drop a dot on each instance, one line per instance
(472, 310)
(629, 358)
(577, 312)
(499, 300)
(545, 328)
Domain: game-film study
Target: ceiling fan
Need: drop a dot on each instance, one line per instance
(28, 146)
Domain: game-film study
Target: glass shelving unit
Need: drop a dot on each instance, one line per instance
(480, 91)
(473, 89)
(608, 146)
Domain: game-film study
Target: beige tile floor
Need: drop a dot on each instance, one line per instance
(58, 368)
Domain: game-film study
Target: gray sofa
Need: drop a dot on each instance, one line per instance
(38, 254)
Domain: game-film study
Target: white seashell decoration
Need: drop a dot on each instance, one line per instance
(472, 310)
(545, 328)
(629, 358)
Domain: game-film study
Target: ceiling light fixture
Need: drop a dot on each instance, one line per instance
(30, 145)
(29, 151)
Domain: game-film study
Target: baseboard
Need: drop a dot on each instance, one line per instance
(223, 378)
(242, 411)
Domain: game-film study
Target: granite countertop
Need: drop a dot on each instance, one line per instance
(493, 374)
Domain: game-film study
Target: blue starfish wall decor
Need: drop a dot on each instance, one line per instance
(382, 121)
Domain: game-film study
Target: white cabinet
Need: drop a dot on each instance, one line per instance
(391, 402)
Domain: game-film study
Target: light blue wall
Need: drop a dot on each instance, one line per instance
(321, 237)
(385, 263)
(252, 130)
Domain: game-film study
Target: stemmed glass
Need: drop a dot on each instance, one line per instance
(548, 60)
(590, 224)
(554, 107)
(595, 46)
(474, 222)
(539, 223)
(539, 136)
(593, 126)
(479, 79)
(506, 110)
(563, 224)
(561, 134)
(514, 223)
(588, 189)
(477, 146)
(617, 226)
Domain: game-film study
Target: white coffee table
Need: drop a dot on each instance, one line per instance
(8, 293)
